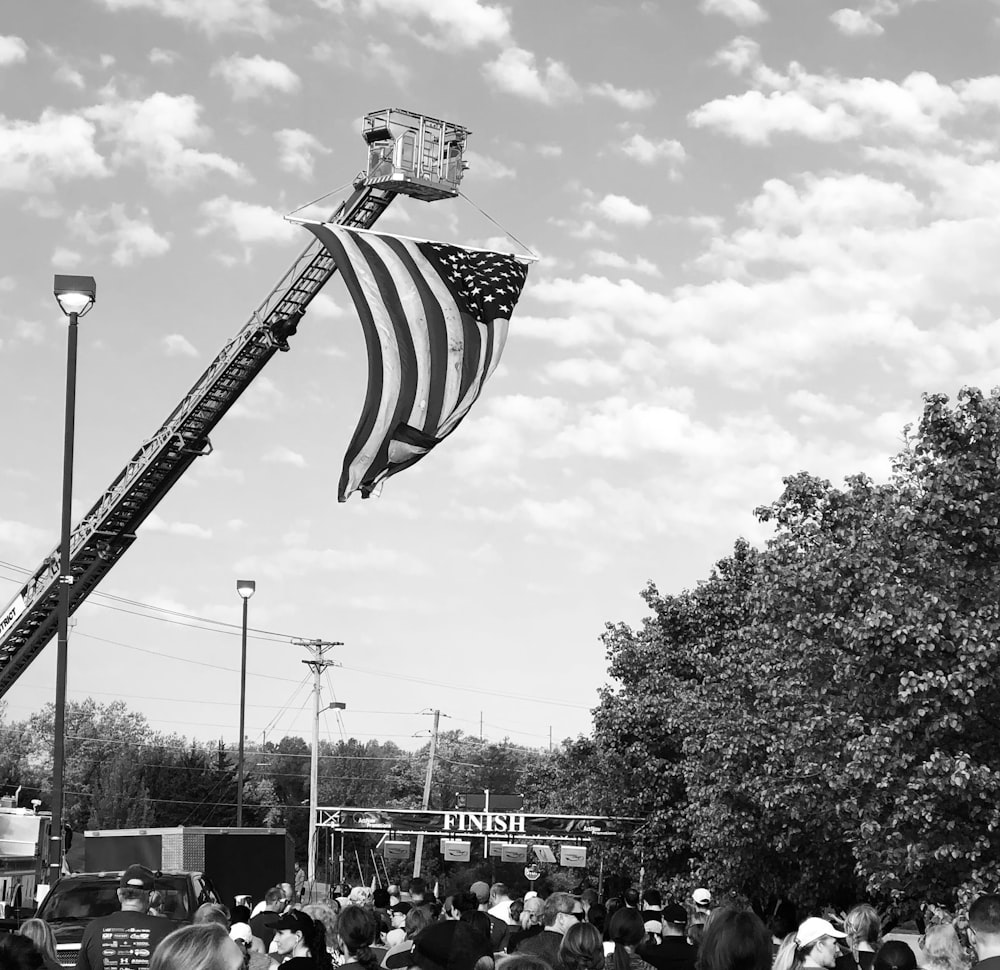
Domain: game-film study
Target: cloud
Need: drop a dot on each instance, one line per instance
(625, 98)
(622, 210)
(324, 306)
(584, 372)
(22, 536)
(514, 72)
(285, 456)
(130, 238)
(854, 23)
(160, 56)
(386, 62)
(747, 12)
(155, 523)
(648, 152)
(640, 264)
(246, 222)
(63, 258)
(297, 150)
(462, 23)
(65, 74)
(211, 16)
(261, 401)
(177, 345)
(559, 515)
(488, 168)
(13, 50)
(34, 156)
(256, 77)
(159, 133)
(300, 560)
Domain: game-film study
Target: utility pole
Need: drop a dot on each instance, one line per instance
(317, 664)
(427, 791)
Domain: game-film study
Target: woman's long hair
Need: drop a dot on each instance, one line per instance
(358, 927)
(200, 946)
(942, 949)
(735, 939)
(42, 935)
(582, 948)
(863, 925)
(626, 930)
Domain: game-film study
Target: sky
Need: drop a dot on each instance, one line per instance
(765, 228)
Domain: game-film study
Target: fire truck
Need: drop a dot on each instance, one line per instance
(24, 858)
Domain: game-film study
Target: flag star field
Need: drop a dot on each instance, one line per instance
(765, 229)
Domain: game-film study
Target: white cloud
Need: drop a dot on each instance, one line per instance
(739, 55)
(297, 150)
(855, 23)
(649, 152)
(13, 50)
(159, 133)
(66, 258)
(297, 561)
(384, 61)
(324, 306)
(159, 55)
(246, 222)
(514, 72)
(625, 98)
(285, 456)
(640, 264)
(177, 345)
(256, 77)
(210, 16)
(21, 536)
(261, 401)
(584, 372)
(558, 515)
(622, 210)
(465, 23)
(65, 74)
(812, 406)
(488, 168)
(57, 148)
(156, 523)
(747, 12)
(130, 237)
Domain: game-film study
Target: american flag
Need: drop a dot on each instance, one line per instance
(435, 320)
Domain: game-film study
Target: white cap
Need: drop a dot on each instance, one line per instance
(530, 894)
(653, 926)
(241, 931)
(702, 897)
(814, 928)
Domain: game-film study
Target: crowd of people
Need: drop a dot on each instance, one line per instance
(485, 928)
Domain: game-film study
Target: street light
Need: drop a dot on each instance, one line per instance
(75, 295)
(245, 588)
(312, 861)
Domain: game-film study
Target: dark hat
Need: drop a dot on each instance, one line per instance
(401, 907)
(137, 877)
(452, 945)
(294, 920)
(674, 913)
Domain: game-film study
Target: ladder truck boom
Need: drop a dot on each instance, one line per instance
(408, 154)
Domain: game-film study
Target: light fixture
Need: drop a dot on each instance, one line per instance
(337, 706)
(75, 294)
(245, 587)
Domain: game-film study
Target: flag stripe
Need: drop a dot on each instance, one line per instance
(350, 476)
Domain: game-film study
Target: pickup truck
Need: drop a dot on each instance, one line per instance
(77, 899)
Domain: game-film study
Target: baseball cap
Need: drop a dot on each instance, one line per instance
(675, 913)
(294, 920)
(653, 926)
(401, 907)
(241, 932)
(702, 897)
(815, 927)
(137, 877)
(480, 890)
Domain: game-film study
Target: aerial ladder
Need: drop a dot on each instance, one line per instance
(408, 154)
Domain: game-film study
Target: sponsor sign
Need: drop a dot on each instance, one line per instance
(10, 615)
(396, 851)
(513, 853)
(574, 856)
(456, 850)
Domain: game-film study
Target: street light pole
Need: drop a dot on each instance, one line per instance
(75, 295)
(245, 588)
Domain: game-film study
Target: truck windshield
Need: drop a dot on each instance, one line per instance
(88, 899)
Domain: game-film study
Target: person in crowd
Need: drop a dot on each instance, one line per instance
(612, 904)
(263, 923)
(480, 922)
(358, 930)
(212, 913)
(325, 914)
(155, 903)
(863, 927)
(19, 953)
(598, 916)
(44, 939)
(300, 942)
(589, 898)
(783, 922)
(500, 903)
(735, 939)
(984, 932)
(651, 904)
(522, 961)
(499, 928)
(559, 913)
(582, 948)
(451, 945)
(701, 900)
(204, 946)
(418, 891)
(130, 934)
(417, 919)
(941, 949)
(242, 936)
(626, 931)
(288, 891)
(516, 908)
(814, 944)
(397, 918)
(894, 955)
(631, 897)
(299, 879)
(673, 952)
(695, 932)
(531, 922)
